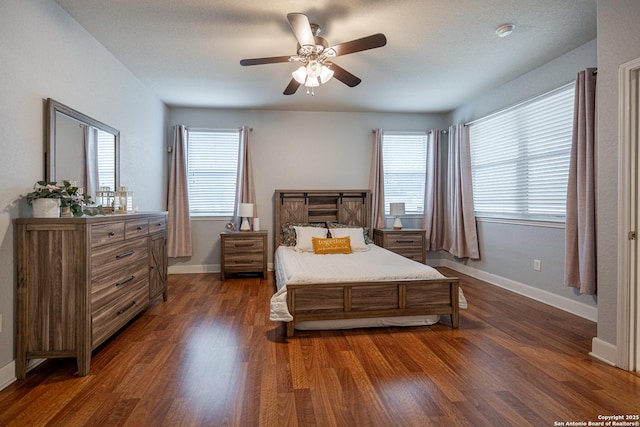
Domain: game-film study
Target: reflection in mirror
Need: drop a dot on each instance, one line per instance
(80, 149)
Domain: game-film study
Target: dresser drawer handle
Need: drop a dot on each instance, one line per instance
(127, 308)
(111, 233)
(125, 282)
(159, 224)
(126, 254)
(404, 241)
(244, 262)
(139, 228)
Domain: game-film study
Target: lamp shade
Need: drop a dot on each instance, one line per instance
(396, 209)
(246, 210)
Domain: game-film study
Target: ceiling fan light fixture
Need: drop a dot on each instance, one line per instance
(312, 82)
(300, 75)
(325, 74)
(504, 30)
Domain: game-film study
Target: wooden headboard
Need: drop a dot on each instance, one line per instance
(351, 207)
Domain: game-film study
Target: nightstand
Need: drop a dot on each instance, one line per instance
(408, 242)
(243, 252)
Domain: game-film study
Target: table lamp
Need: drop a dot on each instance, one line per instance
(246, 212)
(396, 210)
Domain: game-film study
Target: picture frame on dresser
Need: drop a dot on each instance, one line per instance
(81, 279)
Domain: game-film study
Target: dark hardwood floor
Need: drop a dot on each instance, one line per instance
(211, 357)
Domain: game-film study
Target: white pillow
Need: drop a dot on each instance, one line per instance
(355, 234)
(304, 235)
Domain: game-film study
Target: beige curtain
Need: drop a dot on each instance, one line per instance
(580, 229)
(376, 183)
(179, 221)
(91, 178)
(245, 189)
(432, 220)
(460, 235)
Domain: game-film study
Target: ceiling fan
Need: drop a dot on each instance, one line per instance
(315, 54)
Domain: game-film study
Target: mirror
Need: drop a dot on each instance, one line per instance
(81, 149)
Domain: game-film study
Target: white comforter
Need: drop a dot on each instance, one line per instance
(306, 267)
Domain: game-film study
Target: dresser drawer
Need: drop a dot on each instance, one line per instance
(116, 256)
(102, 234)
(157, 224)
(113, 283)
(136, 228)
(112, 317)
(244, 246)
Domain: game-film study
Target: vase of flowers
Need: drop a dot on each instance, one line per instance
(47, 198)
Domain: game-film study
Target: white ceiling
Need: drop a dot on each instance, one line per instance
(439, 53)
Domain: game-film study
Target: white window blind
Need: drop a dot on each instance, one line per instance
(106, 160)
(404, 163)
(212, 170)
(520, 158)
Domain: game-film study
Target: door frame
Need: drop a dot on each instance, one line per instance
(628, 335)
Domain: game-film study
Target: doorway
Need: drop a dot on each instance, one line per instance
(628, 337)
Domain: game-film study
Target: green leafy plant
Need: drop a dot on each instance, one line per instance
(68, 195)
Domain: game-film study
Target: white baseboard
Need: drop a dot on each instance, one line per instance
(191, 269)
(563, 303)
(604, 351)
(8, 372)
(7, 375)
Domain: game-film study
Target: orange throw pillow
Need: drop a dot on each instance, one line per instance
(336, 245)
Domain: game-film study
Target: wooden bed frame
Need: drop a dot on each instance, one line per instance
(352, 300)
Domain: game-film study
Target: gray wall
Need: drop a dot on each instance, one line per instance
(293, 150)
(45, 53)
(618, 42)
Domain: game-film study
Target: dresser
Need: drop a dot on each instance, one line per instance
(243, 252)
(82, 279)
(408, 242)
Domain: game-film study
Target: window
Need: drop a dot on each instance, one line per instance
(520, 159)
(404, 164)
(106, 160)
(212, 157)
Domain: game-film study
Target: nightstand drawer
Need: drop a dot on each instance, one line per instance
(243, 263)
(403, 241)
(244, 245)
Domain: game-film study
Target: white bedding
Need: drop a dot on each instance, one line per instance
(293, 267)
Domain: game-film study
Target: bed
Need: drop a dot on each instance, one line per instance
(368, 287)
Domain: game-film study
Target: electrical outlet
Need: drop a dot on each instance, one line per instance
(537, 265)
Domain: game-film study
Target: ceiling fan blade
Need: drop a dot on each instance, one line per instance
(301, 28)
(358, 45)
(260, 61)
(344, 76)
(292, 88)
